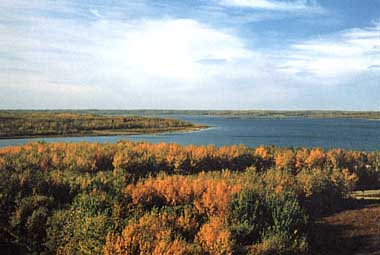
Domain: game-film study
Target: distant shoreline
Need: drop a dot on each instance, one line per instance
(275, 114)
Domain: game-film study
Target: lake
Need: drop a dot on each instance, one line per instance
(356, 134)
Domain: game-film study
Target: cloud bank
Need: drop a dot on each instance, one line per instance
(346, 53)
(69, 55)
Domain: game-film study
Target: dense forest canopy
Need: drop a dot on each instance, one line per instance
(50, 123)
(142, 198)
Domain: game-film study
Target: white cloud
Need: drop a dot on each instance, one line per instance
(342, 55)
(173, 48)
(135, 62)
(275, 5)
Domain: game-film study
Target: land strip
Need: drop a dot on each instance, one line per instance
(24, 124)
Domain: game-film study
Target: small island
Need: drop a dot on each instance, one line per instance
(24, 124)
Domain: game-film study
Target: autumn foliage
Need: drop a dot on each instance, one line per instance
(143, 198)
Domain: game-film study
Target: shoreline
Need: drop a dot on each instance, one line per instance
(96, 133)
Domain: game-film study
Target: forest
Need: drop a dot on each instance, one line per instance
(14, 124)
(143, 198)
(270, 114)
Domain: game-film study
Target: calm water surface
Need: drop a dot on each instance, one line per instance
(354, 134)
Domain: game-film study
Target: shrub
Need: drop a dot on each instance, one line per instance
(215, 238)
(151, 234)
(80, 229)
(246, 217)
(253, 217)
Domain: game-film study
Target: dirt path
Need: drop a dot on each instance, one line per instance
(351, 232)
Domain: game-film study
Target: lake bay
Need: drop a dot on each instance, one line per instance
(355, 134)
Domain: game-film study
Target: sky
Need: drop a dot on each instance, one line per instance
(190, 54)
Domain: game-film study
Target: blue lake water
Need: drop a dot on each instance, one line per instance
(356, 134)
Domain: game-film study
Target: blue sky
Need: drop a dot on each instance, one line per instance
(166, 54)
